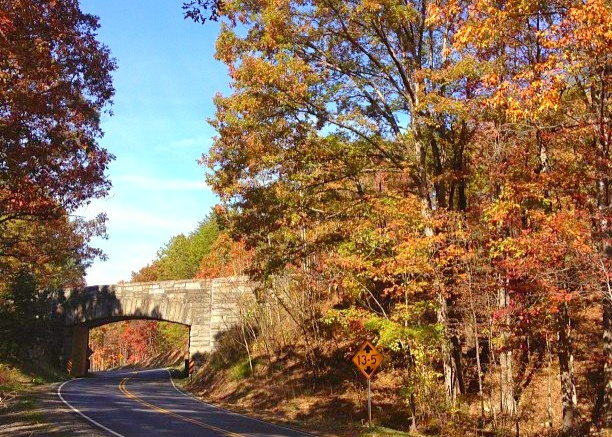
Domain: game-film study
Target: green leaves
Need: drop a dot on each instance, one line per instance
(417, 159)
(181, 257)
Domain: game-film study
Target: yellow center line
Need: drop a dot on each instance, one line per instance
(131, 395)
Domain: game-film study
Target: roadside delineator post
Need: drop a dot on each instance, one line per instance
(191, 368)
(368, 359)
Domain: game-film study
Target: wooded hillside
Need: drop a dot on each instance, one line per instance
(432, 175)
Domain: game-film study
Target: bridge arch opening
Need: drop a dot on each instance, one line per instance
(141, 343)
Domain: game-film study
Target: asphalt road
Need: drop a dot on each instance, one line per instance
(147, 403)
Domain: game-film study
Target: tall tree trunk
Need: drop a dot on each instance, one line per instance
(433, 196)
(451, 355)
(606, 410)
(507, 398)
(550, 410)
(569, 398)
(604, 203)
(478, 364)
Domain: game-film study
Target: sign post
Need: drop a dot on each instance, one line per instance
(368, 359)
(369, 404)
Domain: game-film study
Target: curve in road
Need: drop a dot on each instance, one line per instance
(148, 403)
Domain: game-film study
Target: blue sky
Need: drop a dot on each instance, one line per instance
(165, 83)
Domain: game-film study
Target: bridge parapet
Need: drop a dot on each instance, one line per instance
(208, 307)
(173, 301)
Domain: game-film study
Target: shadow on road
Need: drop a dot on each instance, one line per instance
(40, 412)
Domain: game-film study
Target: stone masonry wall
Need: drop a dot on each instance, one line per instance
(229, 298)
(209, 307)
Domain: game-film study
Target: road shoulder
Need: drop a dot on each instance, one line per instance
(40, 412)
(182, 386)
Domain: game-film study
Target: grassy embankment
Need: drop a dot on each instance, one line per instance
(333, 402)
(18, 391)
(285, 392)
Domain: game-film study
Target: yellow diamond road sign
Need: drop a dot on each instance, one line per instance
(367, 359)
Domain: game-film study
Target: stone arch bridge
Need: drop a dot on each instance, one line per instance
(208, 307)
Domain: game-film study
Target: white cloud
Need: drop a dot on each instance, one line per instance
(123, 217)
(120, 266)
(139, 223)
(145, 210)
(131, 218)
(200, 142)
(148, 183)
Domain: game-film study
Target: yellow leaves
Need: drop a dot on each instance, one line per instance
(370, 6)
(387, 243)
(528, 95)
(537, 54)
(228, 46)
(276, 31)
(502, 213)
(434, 14)
(393, 12)
(589, 27)
(284, 78)
(443, 13)
(490, 79)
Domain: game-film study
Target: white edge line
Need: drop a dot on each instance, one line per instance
(99, 425)
(233, 412)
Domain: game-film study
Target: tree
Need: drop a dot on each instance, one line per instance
(356, 90)
(138, 342)
(180, 258)
(56, 80)
(52, 255)
(403, 151)
(148, 273)
(544, 90)
(226, 258)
